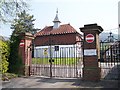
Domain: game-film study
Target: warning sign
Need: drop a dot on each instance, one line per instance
(22, 43)
(89, 38)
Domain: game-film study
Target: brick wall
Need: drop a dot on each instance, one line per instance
(64, 39)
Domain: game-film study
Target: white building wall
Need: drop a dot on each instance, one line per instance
(64, 51)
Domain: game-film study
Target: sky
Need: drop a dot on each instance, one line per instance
(76, 12)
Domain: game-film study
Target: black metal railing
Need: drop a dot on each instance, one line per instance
(109, 52)
(110, 60)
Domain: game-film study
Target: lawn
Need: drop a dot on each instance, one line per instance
(56, 61)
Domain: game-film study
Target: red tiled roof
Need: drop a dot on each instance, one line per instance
(63, 29)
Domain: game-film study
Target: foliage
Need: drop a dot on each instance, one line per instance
(7, 76)
(9, 9)
(15, 63)
(23, 24)
(4, 48)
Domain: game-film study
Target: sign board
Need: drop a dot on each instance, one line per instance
(90, 52)
(45, 51)
(56, 48)
(22, 43)
(89, 38)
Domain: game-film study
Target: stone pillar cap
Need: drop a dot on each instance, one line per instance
(28, 35)
(92, 27)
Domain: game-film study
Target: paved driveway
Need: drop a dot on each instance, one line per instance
(45, 82)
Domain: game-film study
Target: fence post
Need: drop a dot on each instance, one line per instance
(25, 52)
(91, 52)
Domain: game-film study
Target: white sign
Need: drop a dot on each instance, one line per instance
(45, 51)
(90, 52)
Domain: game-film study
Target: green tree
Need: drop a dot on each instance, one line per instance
(4, 48)
(9, 9)
(24, 23)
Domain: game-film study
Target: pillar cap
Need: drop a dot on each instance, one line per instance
(27, 35)
(91, 27)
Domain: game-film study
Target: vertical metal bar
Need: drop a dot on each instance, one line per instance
(106, 54)
(36, 62)
(48, 58)
(100, 54)
(65, 63)
(103, 51)
(60, 62)
(58, 68)
(38, 68)
(118, 61)
(43, 61)
(56, 64)
(116, 58)
(50, 61)
(80, 60)
(71, 62)
(54, 69)
(111, 54)
(109, 61)
(74, 60)
(118, 53)
(114, 48)
(67, 60)
(69, 73)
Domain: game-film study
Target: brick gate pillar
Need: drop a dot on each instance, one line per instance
(91, 52)
(25, 51)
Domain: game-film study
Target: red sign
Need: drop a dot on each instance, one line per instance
(22, 43)
(89, 38)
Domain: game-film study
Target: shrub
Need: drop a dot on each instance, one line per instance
(4, 53)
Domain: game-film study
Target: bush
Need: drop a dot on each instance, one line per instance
(4, 48)
(15, 60)
(7, 76)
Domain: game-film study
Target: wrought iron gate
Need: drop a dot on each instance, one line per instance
(57, 61)
(110, 60)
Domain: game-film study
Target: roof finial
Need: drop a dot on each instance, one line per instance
(57, 11)
(56, 20)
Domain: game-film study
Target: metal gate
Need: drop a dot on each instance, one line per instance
(110, 60)
(57, 61)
